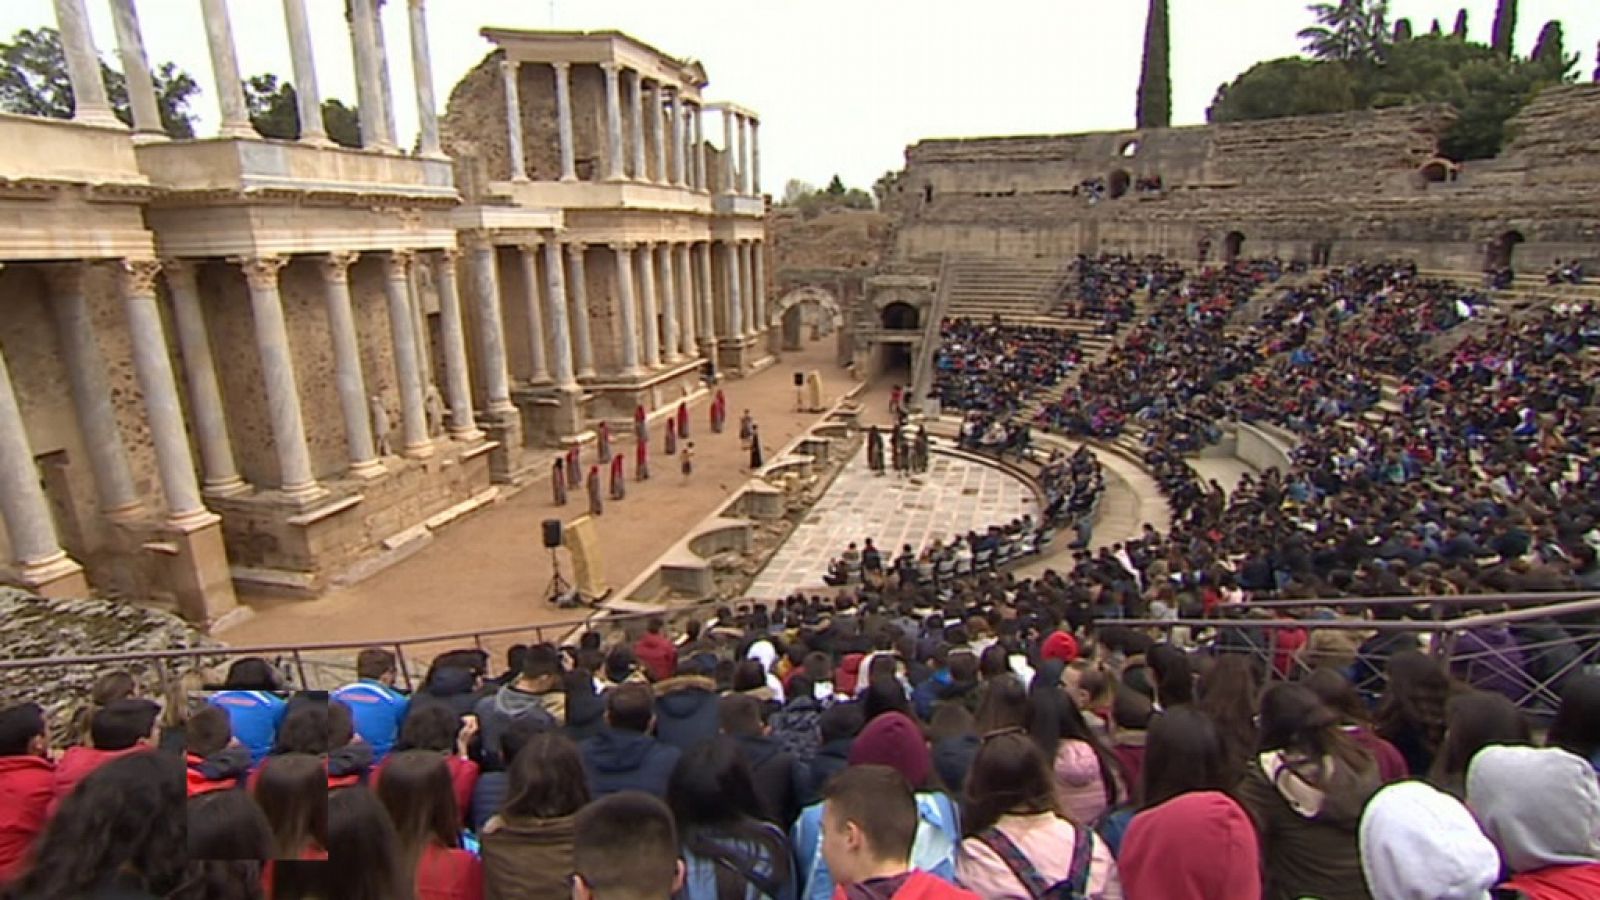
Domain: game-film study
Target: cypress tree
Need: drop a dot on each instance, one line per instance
(1436, 30)
(1155, 81)
(1505, 27)
(1402, 31)
(1552, 45)
(1461, 25)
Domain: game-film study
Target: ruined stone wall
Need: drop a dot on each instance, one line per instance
(1351, 182)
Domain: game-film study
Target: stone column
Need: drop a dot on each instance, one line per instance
(578, 283)
(648, 310)
(636, 127)
(678, 168)
(614, 169)
(508, 76)
(744, 156)
(669, 306)
(528, 256)
(136, 69)
(556, 304)
(658, 132)
(491, 329)
(758, 281)
(747, 290)
(413, 417)
(29, 527)
(91, 395)
(152, 365)
(728, 184)
(308, 98)
(221, 475)
(686, 302)
(457, 379)
(755, 158)
(734, 298)
(569, 170)
(699, 122)
(703, 295)
(369, 75)
(625, 306)
(347, 365)
(89, 103)
(225, 68)
(422, 73)
(277, 372)
(385, 93)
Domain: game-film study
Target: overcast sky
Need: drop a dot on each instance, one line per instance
(841, 85)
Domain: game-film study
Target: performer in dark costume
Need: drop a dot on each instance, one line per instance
(672, 437)
(897, 449)
(919, 451)
(574, 469)
(755, 447)
(604, 444)
(558, 482)
(641, 461)
(875, 450)
(747, 426)
(596, 504)
(719, 412)
(619, 483)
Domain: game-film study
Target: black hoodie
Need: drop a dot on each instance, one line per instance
(686, 710)
(779, 778)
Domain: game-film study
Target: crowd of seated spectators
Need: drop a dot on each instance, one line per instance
(996, 367)
(1568, 272)
(985, 746)
(1103, 287)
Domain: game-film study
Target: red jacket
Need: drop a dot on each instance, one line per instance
(922, 886)
(1580, 882)
(27, 784)
(445, 874)
(463, 778)
(658, 654)
(77, 764)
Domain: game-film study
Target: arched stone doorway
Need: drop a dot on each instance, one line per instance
(899, 316)
(1117, 183)
(1232, 246)
(799, 311)
(1501, 250)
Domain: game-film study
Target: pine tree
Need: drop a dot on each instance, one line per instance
(1436, 30)
(1461, 25)
(1505, 27)
(1402, 31)
(1155, 82)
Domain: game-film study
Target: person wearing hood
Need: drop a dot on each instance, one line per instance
(625, 756)
(1541, 807)
(1197, 846)
(686, 708)
(891, 739)
(1306, 788)
(455, 679)
(215, 761)
(838, 726)
(656, 652)
(527, 845)
(1419, 843)
(766, 654)
(777, 777)
(537, 692)
(27, 783)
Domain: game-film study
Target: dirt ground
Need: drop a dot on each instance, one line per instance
(490, 570)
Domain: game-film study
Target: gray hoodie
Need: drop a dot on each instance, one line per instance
(1540, 806)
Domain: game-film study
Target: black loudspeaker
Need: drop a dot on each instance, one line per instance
(799, 379)
(552, 533)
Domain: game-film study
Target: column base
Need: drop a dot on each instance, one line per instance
(126, 515)
(145, 138)
(368, 469)
(423, 450)
(320, 141)
(58, 576)
(99, 118)
(197, 573)
(569, 178)
(230, 487)
(302, 494)
(471, 435)
(193, 520)
(237, 130)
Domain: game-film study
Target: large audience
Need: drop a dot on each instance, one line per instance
(966, 732)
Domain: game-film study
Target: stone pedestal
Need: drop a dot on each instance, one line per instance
(506, 459)
(197, 573)
(735, 356)
(59, 578)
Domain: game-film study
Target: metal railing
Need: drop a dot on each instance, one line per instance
(298, 654)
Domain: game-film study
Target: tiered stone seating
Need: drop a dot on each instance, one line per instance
(1018, 290)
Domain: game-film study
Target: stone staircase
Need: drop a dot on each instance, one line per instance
(1020, 291)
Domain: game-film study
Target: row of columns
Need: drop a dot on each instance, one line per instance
(374, 97)
(741, 157)
(676, 128)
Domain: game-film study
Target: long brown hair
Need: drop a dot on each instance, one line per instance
(1010, 775)
(113, 685)
(1228, 693)
(417, 792)
(293, 791)
(547, 780)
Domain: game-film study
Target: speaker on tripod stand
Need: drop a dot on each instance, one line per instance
(559, 592)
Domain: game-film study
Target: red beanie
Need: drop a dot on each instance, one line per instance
(893, 740)
(1060, 645)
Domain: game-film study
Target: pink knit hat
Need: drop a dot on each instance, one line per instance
(1060, 645)
(895, 741)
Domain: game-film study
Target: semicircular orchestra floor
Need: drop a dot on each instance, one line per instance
(953, 497)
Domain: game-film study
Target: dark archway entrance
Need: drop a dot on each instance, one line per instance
(901, 317)
(1117, 183)
(1232, 246)
(1501, 250)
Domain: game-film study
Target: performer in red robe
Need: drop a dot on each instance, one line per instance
(596, 502)
(641, 461)
(683, 420)
(574, 468)
(619, 483)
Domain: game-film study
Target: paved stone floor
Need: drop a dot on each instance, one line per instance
(954, 496)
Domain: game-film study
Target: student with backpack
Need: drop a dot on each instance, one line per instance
(1017, 842)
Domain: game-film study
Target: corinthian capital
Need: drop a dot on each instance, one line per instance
(137, 277)
(261, 272)
(336, 266)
